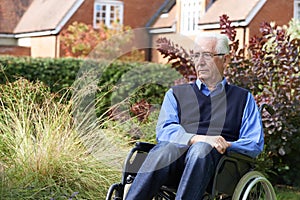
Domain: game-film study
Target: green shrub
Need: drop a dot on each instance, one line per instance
(43, 153)
(55, 73)
(144, 80)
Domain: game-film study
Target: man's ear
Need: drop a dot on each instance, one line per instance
(226, 59)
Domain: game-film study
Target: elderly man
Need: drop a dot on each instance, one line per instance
(199, 122)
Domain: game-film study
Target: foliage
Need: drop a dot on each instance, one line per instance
(132, 129)
(108, 81)
(43, 156)
(272, 74)
(287, 193)
(82, 40)
(79, 39)
(269, 68)
(56, 73)
(60, 73)
(126, 86)
(177, 56)
(118, 81)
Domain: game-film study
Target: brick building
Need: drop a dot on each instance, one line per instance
(186, 18)
(33, 27)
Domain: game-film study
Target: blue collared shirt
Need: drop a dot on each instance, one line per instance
(251, 138)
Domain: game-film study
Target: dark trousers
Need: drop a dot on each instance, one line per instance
(189, 167)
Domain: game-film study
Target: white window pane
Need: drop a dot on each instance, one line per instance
(191, 11)
(108, 12)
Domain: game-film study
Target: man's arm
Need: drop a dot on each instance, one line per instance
(251, 139)
(168, 127)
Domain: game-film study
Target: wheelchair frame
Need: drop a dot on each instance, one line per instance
(235, 177)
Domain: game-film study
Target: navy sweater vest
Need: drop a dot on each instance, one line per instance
(205, 115)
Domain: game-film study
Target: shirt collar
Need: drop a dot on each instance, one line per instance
(204, 89)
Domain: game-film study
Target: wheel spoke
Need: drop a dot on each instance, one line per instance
(254, 186)
(257, 192)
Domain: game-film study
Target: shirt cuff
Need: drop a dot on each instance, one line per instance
(184, 138)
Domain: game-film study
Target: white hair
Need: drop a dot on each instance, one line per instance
(222, 45)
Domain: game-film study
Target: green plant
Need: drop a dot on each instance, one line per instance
(44, 154)
(127, 132)
(117, 80)
(287, 193)
(126, 84)
(58, 74)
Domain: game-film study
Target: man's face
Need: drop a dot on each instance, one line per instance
(209, 68)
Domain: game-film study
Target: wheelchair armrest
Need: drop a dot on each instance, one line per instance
(135, 159)
(230, 169)
(240, 156)
(144, 146)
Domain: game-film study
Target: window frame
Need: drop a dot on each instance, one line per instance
(109, 4)
(190, 15)
(297, 9)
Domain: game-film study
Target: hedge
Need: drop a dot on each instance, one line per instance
(116, 80)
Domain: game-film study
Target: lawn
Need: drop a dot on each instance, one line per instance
(287, 193)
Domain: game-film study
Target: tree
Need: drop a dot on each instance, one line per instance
(79, 40)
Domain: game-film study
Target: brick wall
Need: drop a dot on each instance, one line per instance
(138, 12)
(83, 14)
(14, 50)
(280, 11)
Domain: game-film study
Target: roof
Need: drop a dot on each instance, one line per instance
(164, 9)
(241, 13)
(10, 14)
(167, 18)
(43, 15)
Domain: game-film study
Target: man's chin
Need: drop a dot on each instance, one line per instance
(203, 77)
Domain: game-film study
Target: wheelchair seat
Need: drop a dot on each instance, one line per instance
(235, 178)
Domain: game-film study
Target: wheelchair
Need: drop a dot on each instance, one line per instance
(235, 177)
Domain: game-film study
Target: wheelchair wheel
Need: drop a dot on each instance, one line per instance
(254, 186)
(115, 192)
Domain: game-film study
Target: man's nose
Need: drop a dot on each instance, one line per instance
(201, 60)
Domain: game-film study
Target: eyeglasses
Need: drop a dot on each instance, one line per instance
(205, 55)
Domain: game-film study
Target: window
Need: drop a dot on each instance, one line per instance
(107, 13)
(191, 11)
(297, 9)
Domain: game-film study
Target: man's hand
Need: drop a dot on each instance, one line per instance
(217, 142)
